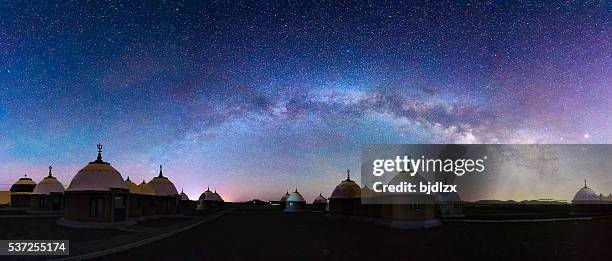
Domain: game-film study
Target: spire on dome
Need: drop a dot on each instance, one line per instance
(99, 152)
(287, 192)
(50, 171)
(208, 188)
(128, 179)
(348, 175)
(585, 185)
(295, 190)
(161, 174)
(99, 158)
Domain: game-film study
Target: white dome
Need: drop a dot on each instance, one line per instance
(284, 197)
(208, 195)
(97, 176)
(295, 197)
(320, 200)
(347, 188)
(48, 185)
(585, 193)
(162, 185)
(184, 196)
(217, 196)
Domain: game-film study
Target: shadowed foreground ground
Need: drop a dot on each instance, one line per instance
(273, 235)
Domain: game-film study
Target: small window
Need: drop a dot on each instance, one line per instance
(119, 202)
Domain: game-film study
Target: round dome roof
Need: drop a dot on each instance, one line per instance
(145, 189)
(184, 196)
(97, 176)
(208, 195)
(295, 197)
(217, 196)
(132, 186)
(320, 200)
(347, 188)
(585, 193)
(367, 192)
(284, 197)
(24, 184)
(162, 185)
(48, 185)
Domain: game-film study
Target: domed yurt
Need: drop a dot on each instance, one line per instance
(136, 202)
(186, 206)
(218, 197)
(587, 202)
(208, 200)
(345, 199)
(408, 210)
(48, 194)
(319, 204)
(167, 197)
(283, 201)
(148, 200)
(295, 202)
(96, 194)
(369, 208)
(21, 192)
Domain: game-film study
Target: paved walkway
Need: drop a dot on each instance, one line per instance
(112, 245)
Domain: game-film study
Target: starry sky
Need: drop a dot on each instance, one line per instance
(253, 98)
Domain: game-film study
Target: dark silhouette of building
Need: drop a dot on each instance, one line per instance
(21, 192)
(48, 195)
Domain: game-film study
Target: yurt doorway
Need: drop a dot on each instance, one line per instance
(119, 209)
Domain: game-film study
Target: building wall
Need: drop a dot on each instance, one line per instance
(36, 200)
(77, 206)
(407, 212)
(344, 206)
(20, 200)
(188, 206)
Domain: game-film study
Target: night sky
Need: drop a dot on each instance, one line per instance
(257, 98)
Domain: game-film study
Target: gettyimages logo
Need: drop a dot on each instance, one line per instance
(408, 166)
(417, 172)
(399, 164)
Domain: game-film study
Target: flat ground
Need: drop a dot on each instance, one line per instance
(46, 228)
(273, 235)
